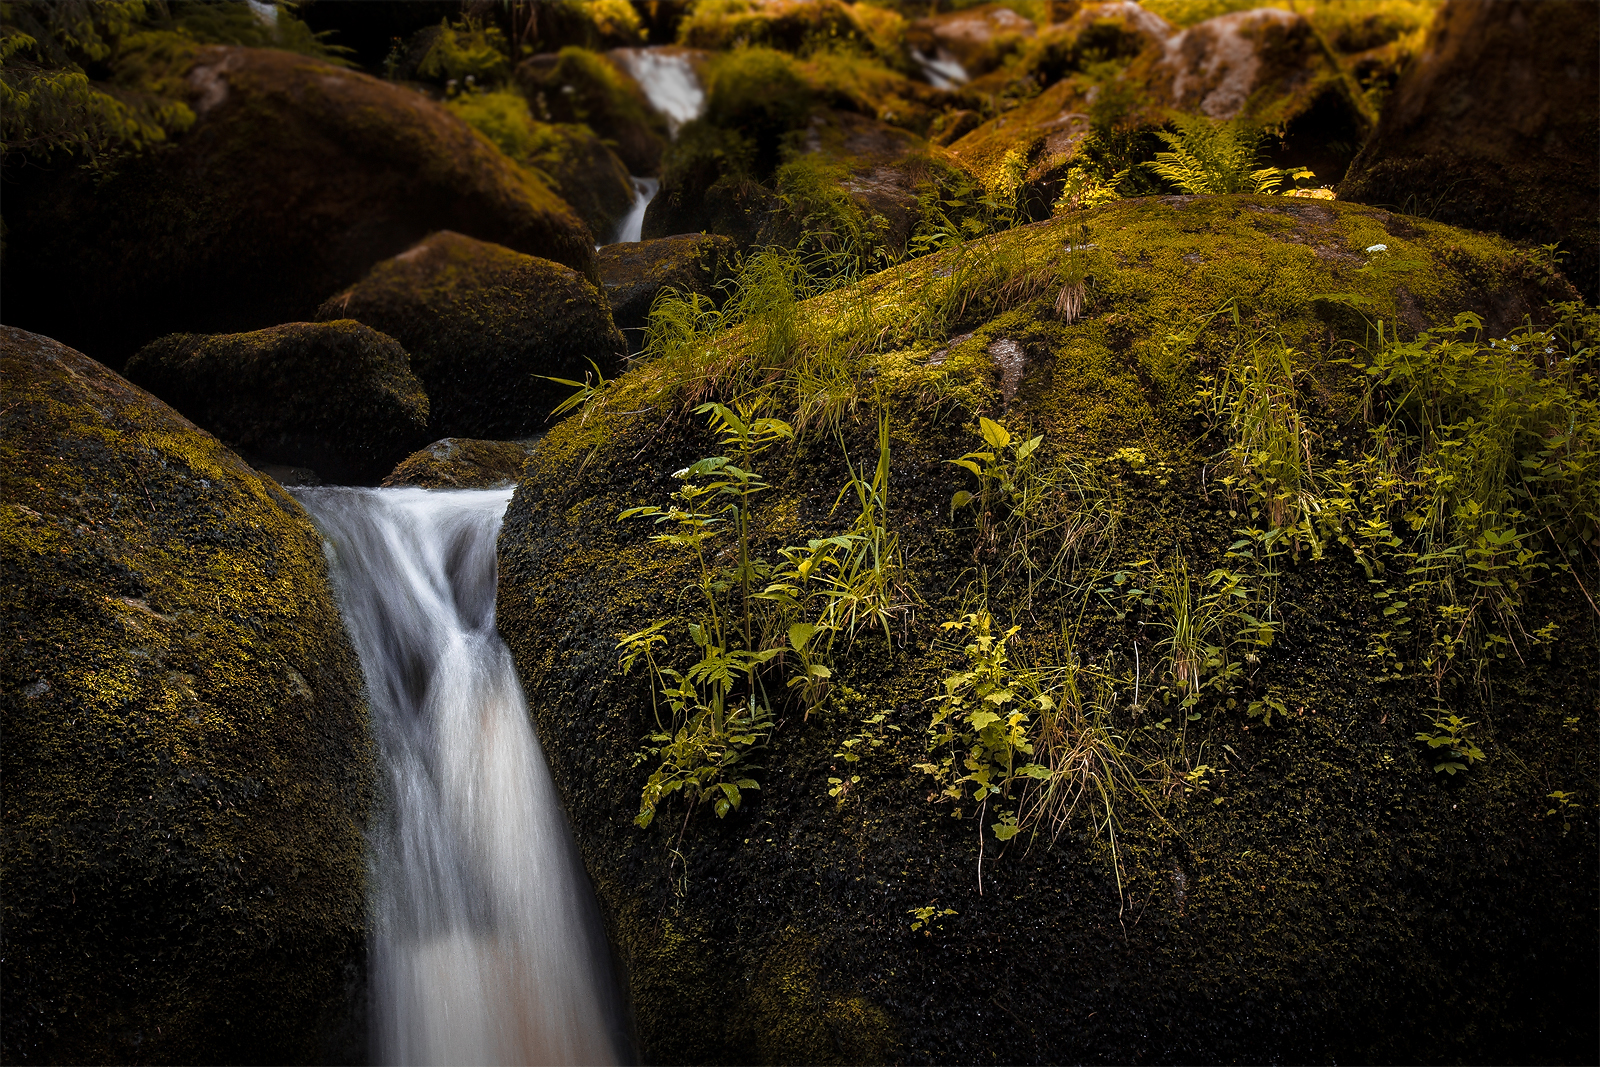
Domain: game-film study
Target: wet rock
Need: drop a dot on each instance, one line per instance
(463, 463)
(482, 324)
(808, 892)
(1496, 125)
(337, 397)
(576, 85)
(297, 177)
(633, 274)
(187, 763)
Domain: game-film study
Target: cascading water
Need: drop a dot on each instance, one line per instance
(668, 80)
(486, 945)
(943, 70)
(632, 224)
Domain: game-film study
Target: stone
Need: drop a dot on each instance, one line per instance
(463, 463)
(297, 177)
(187, 763)
(634, 274)
(336, 397)
(1496, 126)
(485, 328)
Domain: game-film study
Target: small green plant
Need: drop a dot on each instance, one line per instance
(1452, 734)
(1565, 804)
(929, 918)
(467, 53)
(1208, 156)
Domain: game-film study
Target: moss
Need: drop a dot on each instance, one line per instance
(337, 397)
(484, 325)
(187, 763)
(462, 463)
(580, 86)
(297, 177)
(589, 176)
(1340, 902)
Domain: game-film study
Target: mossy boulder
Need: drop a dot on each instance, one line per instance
(633, 274)
(337, 397)
(589, 176)
(187, 762)
(297, 177)
(980, 38)
(485, 327)
(1496, 126)
(576, 85)
(1331, 899)
(462, 463)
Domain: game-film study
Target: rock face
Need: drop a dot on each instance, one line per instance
(336, 397)
(296, 179)
(187, 764)
(633, 274)
(1299, 918)
(1496, 126)
(462, 463)
(482, 324)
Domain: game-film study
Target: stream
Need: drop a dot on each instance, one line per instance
(485, 941)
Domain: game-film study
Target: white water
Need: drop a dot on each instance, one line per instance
(485, 944)
(942, 69)
(632, 224)
(668, 81)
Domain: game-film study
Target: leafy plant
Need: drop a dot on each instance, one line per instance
(929, 918)
(1452, 733)
(1207, 156)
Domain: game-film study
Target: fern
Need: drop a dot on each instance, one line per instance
(1214, 157)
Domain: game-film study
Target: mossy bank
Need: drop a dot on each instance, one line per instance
(187, 765)
(1305, 888)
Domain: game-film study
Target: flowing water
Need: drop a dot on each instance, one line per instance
(669, 82)
(942, 69)
(486, 945)
(632, 224)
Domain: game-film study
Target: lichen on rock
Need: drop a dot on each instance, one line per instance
(187, 763)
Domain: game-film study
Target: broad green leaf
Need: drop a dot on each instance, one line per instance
(997, 436)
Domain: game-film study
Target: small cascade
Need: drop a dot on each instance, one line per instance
(632, 224)
(668, 81)
(486, 944)
(942, 69)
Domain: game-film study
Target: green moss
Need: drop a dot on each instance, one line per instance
(462, 463)
(580, 86)
(187, 762)
(1337, 884)
(482, 325)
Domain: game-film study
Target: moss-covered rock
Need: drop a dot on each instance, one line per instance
(590, 177)
(576, 85)
(1496, 125)
(1331, 899)
(462, 463)
(980, 38)
(187, 766)
(296, 179)
(484, 325)
(338, 397)
(634, 273)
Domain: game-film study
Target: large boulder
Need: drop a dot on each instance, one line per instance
(1496, 125)
(187, 762)
(462, 463)
(337, 397)
(486, 328)
(297, 177)
(633, 274)
(1283, 891)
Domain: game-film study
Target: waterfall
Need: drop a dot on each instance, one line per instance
(632, 224)
(668, 81)
(485, 943)
(943, 70)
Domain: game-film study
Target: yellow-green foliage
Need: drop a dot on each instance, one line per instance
(467, 49)
(187, 762)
